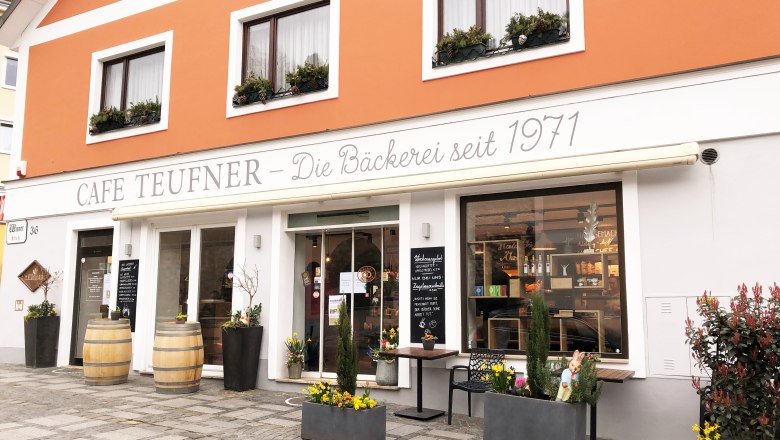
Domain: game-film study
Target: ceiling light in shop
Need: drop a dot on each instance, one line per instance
(544, 244)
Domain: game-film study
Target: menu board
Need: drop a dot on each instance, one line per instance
(127, 290)
(95, 285)
(427, 280)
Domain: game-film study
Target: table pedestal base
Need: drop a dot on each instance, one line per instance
(425, 414)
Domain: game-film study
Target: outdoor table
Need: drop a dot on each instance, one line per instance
(420, 413)
(606, 375)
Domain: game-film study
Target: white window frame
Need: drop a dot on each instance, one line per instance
(96, 85)
(236, 48)
(430, 11)
(8, 56)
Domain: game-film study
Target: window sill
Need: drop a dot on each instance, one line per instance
(286, 99)
(7, 87)
(124, 132)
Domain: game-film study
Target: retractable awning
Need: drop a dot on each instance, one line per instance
(616, 161)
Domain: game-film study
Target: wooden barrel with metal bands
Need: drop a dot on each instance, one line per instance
(178, 357)
(108, 348)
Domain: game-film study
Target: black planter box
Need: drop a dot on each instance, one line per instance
(541, 38)
(465, 53)
(325, 422)
(41, 336)
(312, 86)
(506, 416)
(241, 357)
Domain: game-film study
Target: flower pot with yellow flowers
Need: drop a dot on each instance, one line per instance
(332, 414)
(296, 349)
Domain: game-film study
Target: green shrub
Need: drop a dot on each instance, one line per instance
(539, 348)
(459, 39)
(144, 110)
(346, 354)
(306, 73)
(41, 310)
(107, 116)
(252, 84)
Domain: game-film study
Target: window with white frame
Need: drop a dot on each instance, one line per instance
(463, 36)
(282, 49)
(130, 88)
(10, 72)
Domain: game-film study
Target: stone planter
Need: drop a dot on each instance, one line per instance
(428, 344)
(241, 357)
(294, 370)
(506, 415)
(387, 372)
(324, 422)
(41, 336)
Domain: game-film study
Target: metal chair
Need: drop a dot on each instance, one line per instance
(480, 363)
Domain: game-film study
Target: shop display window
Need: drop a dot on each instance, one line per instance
(565, 244)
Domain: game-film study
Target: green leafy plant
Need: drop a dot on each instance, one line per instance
(346, 354)
(738, 348)
(307, 73)
(145, 112)
(547, 20)
(107, 119)
(253, 89)
(460, 39)
(41, 310)
(296, 349)
(539, 348)
(585, 386)
(181, 316)
(520, 24)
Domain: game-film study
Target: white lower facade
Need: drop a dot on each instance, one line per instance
(686, 228)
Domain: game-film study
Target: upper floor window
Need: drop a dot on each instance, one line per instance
(129, 89)
(10, 72)
(133, 79)
(282, 49)
(460, 31)
(6, 132)
(284, 54)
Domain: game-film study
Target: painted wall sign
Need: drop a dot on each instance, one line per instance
(34, 275)
(127, 290)
(427, 280)
(604, 120)
(16, 232)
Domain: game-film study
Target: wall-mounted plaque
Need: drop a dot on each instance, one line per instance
(34, 275)
(16, 232)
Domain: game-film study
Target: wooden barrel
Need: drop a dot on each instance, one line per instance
(108, 349)
(178, 357)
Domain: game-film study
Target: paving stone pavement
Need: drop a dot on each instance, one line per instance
(55, 403)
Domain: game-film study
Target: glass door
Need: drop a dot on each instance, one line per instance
(356, 267)
(93, 273)
(196, 280)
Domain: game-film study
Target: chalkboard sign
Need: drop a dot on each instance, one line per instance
(127, 290)
(427, 279)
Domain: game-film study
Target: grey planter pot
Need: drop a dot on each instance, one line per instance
(324, 422)
(387, 373)
(506, 415)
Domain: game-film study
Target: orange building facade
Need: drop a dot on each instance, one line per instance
(338, 150)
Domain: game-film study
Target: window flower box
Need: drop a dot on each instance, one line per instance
(326, 422)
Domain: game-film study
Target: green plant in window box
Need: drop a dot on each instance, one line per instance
(144, 112)
(462, 45)
(535, 30)
(108, 119)
(308, 78)
(253, 89)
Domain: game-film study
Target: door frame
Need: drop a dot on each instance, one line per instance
(69, 276)
(147, 306)
(77, 283)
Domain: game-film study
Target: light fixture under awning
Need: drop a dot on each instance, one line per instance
(617, 161)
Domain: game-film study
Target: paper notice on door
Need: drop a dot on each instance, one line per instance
(94, 285)
(334, 301)
(106, 288)
(350, 283)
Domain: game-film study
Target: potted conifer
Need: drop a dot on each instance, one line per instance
(462, 45)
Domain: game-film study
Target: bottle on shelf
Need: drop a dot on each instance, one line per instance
(547, 266)
(540, 267)
(533, 266)
(525, 266)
